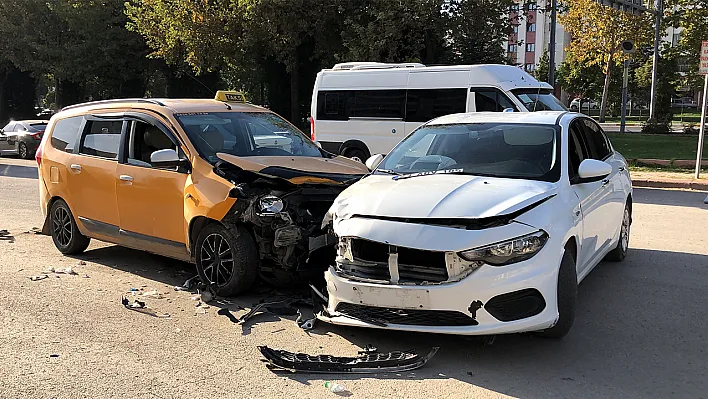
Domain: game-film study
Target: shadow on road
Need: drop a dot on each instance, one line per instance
(656, 196)
(26, 172)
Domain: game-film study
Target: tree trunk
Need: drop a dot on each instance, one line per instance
(606, 89)
(295, 93)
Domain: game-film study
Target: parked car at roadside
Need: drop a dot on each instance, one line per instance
(22, 137)
(229, 186)
(586, 103)
(479, 224)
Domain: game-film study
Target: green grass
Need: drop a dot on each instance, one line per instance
(656, 146)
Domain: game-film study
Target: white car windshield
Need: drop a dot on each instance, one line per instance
(513, 150)
(245, 134)
(539, 100)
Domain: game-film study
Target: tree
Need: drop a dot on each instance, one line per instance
(597, 32)
(543, 67)
(692, 16)
(667, 77)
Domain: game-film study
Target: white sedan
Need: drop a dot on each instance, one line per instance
(479, 224)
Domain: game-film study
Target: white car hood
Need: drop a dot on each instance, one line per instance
(438, 196)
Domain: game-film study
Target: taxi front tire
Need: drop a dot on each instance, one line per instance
(65, 234)
(226, 258)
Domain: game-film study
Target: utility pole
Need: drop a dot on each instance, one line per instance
(552, 45)
(659, 5)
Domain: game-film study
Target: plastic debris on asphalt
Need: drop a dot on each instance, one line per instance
(37, 278)
(141, 307)
(152, 294)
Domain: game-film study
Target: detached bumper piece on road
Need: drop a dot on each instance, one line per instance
(366, 362)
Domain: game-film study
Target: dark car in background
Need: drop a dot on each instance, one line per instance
(22, 137)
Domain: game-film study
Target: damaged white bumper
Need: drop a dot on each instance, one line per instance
(412, 278)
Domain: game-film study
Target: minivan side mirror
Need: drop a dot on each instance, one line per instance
(591, 170)
(374, 161)
(167, 158)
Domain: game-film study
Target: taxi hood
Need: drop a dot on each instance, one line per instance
(299, 170)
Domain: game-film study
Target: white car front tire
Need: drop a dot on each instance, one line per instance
(567, 294)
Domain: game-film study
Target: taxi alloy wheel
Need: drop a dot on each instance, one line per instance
(226, 258)
(217, 258)
(65, 233)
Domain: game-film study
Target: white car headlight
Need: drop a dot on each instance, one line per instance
(270, 205)
(507, 252)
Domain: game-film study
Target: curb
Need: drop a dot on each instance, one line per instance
(683, 184)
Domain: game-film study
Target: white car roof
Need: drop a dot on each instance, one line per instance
(541, 118)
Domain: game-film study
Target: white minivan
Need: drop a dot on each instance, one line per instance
(364, 108)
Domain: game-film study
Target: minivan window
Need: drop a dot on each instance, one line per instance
(491, 101)
(102, 139)
(65, 133)
(245, 134)
(423, 105)
(511, 150)
(539, 100)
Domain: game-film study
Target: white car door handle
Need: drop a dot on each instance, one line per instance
(76, 167)
(621, 168)
(605, 182)
(126, 178)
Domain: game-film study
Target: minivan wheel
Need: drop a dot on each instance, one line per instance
(23, 152)
(65, 234)
(355, 154)
(226, 258)
(620, 252)
(567, 293)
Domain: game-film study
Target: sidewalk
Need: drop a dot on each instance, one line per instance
(615, 128)
(669, 180)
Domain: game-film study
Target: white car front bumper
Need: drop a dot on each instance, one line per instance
(462, 307)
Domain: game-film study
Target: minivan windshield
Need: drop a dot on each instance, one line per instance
(245, 134)
(512, 150)
(539, 100)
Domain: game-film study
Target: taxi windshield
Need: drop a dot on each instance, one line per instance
(245, 134)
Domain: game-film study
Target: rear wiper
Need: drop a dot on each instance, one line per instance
(431, 172)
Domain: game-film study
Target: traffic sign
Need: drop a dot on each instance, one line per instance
(703, 70)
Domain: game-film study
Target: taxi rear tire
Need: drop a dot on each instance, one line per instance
(226, 258)
(65, 233)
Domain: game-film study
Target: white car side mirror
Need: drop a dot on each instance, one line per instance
(374, 161)
(317, 143)
(593, 170)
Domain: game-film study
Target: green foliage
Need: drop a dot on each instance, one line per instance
(667, 78)
(543, 67)
(657, 126)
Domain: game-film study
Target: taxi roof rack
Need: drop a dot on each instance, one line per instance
(357, 66)
(115, 101)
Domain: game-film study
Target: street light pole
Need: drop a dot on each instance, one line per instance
(552, 44)
(657, 38)
(623, 121)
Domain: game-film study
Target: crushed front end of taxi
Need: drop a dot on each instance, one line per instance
(283, 208)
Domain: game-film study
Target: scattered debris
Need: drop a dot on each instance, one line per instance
(305, 324)
(196, 297)
(153, 294)
(85, 276)
(81, 263)
(189, 285)
(370, 362)
(141, 307)
(37, 278)
(6, 236)
(134, 289)
(335, 387)
(208, 294)
(226, 312)
(34, 230)
(67, 270)
(54, 355)
(285, 306)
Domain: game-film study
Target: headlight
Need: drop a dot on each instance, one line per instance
(270, 204)
(512, 251)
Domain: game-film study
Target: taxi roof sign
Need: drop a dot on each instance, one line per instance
(230, 96)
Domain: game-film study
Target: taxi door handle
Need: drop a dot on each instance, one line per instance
(76, 167)
(126, 178)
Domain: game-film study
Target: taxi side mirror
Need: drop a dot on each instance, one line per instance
(167, 158)
(374, 161)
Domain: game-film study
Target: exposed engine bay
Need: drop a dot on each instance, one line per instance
(285, 218)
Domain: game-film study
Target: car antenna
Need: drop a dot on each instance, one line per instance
(228, 106)
(538, 93)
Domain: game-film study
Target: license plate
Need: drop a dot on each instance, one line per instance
(402, 298)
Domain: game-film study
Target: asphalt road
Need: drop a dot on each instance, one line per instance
(640, 332)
